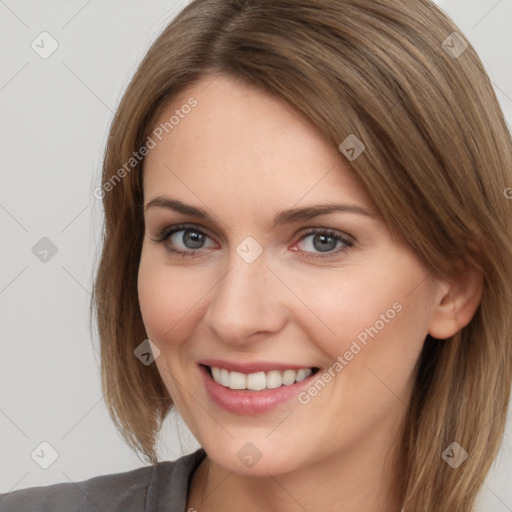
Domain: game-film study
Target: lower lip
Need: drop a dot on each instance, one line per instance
(249, 403)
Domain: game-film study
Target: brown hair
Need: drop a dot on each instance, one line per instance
(438, 160)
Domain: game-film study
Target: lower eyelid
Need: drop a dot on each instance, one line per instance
(337, 253)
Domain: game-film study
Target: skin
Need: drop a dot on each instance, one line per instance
(244, 155)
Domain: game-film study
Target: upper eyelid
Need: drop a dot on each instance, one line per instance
(192, 225)
(330, 231)
(168, 230)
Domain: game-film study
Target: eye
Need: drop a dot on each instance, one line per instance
(323, 242)
(185, 240)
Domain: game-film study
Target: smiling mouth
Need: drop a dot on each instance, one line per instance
(258, 381)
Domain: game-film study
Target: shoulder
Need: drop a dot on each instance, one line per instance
(95, 494)
(130, 491)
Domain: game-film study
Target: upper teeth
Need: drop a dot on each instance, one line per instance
(260, 380)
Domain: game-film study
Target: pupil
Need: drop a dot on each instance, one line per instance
(324, 242)
(193, 240)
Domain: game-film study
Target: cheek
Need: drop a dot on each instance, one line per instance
(170, 300)
(343, 304)
(372, 317)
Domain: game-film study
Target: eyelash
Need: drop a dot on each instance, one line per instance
(167, 232)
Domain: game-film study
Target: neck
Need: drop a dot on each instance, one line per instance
(360, 479)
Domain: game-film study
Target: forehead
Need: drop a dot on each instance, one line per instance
(240, 144)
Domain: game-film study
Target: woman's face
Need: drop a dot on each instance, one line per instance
(286, 281)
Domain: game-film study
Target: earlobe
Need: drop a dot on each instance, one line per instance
(459, 300)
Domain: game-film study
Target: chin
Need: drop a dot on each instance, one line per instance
(256, 459)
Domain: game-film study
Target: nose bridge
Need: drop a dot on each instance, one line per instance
(242, 303)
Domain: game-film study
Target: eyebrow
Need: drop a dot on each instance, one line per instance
(282, 217)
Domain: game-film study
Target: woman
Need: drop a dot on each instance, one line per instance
(307, 252)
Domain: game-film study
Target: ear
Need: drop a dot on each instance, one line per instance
(457, 302)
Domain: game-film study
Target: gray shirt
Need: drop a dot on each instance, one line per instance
(161, 487)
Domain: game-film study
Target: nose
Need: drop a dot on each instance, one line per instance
(246, 304)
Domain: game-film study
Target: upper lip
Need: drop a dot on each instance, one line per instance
(252, 367)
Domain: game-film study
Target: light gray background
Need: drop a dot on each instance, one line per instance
(55, 118)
